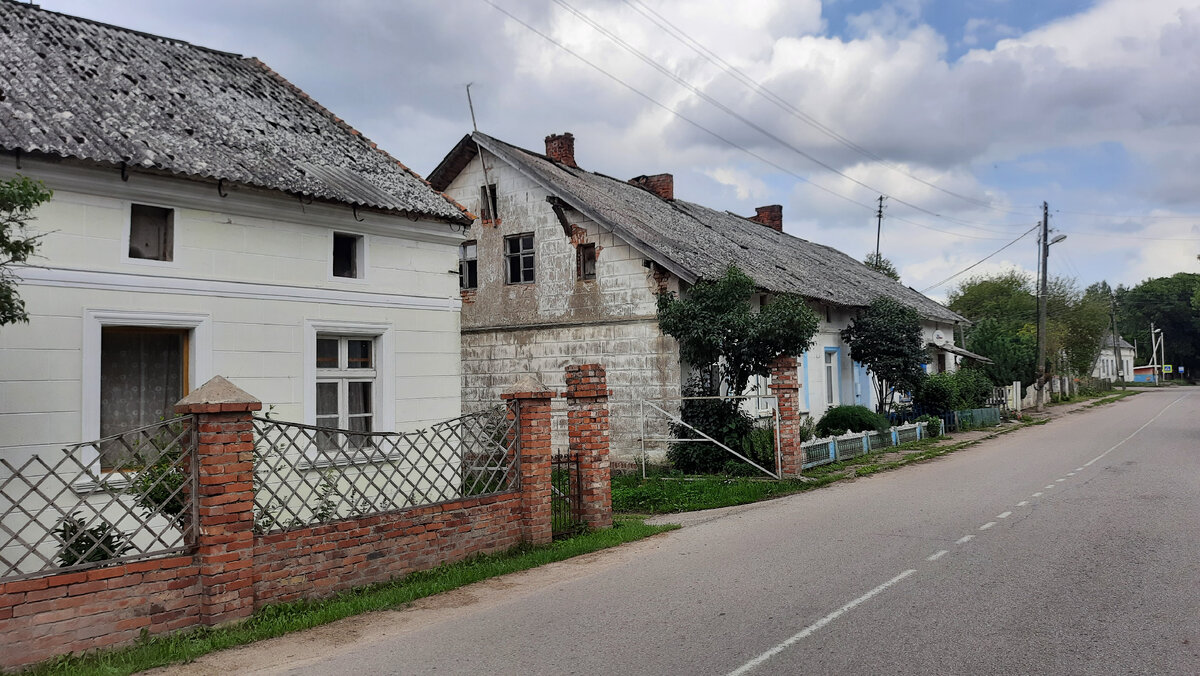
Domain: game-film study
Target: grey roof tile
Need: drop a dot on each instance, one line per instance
(80, 89)
(696, 242)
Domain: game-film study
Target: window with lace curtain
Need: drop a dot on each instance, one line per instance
(345, 384)
(143, 372)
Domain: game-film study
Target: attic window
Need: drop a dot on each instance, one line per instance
(585, 261)
(487, 202)
(348, 255)
(151, 233)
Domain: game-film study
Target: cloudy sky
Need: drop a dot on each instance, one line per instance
(966, 114)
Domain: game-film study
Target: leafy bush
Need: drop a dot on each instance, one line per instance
(842, 419)
(946, 392)
(721, 419)
(81, 544)
(933, 426)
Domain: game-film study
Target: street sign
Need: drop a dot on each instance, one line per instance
(1166, 368)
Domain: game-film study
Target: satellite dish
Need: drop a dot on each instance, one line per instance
(939, 338)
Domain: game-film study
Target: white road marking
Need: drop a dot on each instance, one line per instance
(1059, 480)
(1148, 422)
(987, 525)
(1022, 503)
(1070, 474)
(1003, 515)
(1078, 469)
(936, 555)
(812, 628)
(1037, 495)
(964, 539)
(1048, 487)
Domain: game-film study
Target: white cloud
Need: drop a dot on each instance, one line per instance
(745, 185)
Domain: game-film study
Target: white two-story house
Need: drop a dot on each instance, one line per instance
(209, 218)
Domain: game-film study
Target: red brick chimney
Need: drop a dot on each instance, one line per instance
(662, 185)
(561, 148)
(770, 216)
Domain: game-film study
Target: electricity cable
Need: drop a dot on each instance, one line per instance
(981, 260)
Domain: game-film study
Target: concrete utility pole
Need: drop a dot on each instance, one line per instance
(1154, 352)
(1112, 313)
(1042, 294)
(879, 228)
(1043, 253)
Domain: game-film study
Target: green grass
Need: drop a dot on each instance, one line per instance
(279, 619)
(1110, 399)
(667, 495)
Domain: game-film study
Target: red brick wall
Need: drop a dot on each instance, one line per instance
(77, 611)
(231, 571)
(785, 385)
(319, 560)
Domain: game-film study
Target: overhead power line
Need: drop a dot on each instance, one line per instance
(702, 128)
(642, 56)
(969, 267)
(681, 36)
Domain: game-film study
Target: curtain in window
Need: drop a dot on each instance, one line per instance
(141, 377)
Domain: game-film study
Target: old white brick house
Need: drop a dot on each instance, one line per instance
(563, 265)
(210, 218)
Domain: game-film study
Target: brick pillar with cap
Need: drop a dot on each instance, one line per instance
(587, 433)
(225, 497)
(532, 401)
(785, 385)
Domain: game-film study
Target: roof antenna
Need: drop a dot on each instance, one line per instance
(486, 210)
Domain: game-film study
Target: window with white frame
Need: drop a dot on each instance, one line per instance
(143, 372)
(345, 392)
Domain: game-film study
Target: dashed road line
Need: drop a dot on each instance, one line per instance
(1070, 474)
(1048, 487)
(1003, 515)
(1038, 494)
(1022, 503)
(964, 539)
(815, 626)
(1059, 480)
(987, 525)
(936, 555)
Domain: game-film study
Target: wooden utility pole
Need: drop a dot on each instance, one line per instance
(1043, 253)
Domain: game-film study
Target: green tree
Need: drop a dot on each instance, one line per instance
(19, 196)
(1013, 354)
(886, 338)
(879, 263)
(1008, 298)
(717, 328)
(1168, 303)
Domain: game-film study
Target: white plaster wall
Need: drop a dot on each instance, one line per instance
(255, 280)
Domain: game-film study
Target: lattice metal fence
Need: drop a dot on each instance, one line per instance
(306, 475)
(124, 497)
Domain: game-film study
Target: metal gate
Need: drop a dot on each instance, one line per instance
(565, 495)
(676, 419)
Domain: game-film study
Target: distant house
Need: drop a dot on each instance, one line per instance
(1107, 366)
(564, 264)
(210, 218)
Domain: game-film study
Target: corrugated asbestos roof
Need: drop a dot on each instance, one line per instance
(80, 89)
(696, 242)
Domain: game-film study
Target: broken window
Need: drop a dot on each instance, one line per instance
(347, 255)
(151, 233)
(585, 261)
(487, 202)
(518, 257)
(468, 265)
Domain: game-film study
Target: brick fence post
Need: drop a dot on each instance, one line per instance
(785, 386)
(225, 496)
(587, 433)
(532, 401)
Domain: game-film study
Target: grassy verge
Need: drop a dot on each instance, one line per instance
(1110, 399)
(280, 619)
(671, 494)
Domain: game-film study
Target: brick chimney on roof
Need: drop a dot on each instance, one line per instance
(662, 185)
(770, 216)
(561, 148)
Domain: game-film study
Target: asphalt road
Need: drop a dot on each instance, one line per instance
(1069, 548)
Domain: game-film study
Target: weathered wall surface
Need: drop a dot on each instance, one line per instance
(512, 330)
